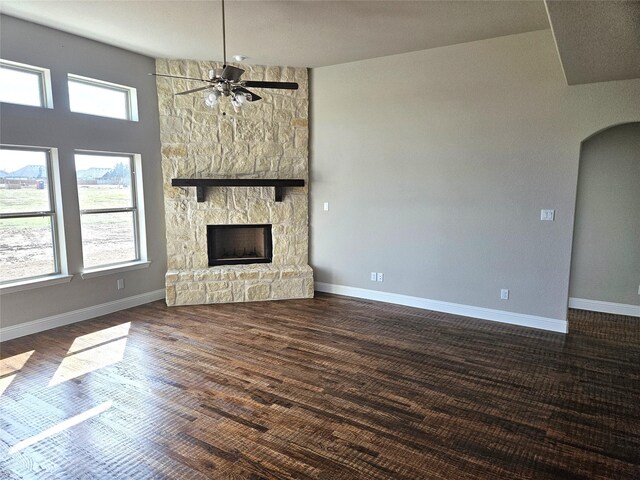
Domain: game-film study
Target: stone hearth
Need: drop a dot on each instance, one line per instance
(268, 140)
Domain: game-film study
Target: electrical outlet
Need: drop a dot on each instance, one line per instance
(374, 277)
(380, 277)
(120, 283)
(504, 294)
(548, 215)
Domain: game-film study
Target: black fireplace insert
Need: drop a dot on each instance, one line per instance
(239, 244)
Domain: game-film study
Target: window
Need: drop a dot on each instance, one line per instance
(28, 223)
(95, 97)
(109, 217)
(25, 84)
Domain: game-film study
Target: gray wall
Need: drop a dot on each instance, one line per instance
(63, 53)
(436, 165)
(605, 262)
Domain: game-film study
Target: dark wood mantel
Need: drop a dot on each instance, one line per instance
(202, 184)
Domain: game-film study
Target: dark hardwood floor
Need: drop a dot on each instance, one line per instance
(328, 388)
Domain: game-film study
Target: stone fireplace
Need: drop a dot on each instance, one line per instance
(267, 141)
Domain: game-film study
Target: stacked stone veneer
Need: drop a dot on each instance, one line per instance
(267, 140)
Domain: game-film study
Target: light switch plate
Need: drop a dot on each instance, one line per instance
(326, 206)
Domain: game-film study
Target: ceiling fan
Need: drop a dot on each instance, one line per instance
(227, 83)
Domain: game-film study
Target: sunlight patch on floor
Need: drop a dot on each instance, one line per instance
(93, 351)
(15, 363)
(70, 422)
(101, 336)
(9, 367)
(89, 360)
(5, 382)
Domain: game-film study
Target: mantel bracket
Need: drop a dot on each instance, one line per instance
(279, 194)
(201, 193)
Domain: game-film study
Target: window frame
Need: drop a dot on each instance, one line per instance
(137, 209)
(45, 93)
(54, 214)
(131, 95)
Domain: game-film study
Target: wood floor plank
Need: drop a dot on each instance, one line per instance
(324, 388)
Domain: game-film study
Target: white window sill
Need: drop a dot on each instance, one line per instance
(123, 267)
(34, 283)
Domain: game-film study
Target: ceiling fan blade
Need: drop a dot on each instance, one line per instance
(254, 97)
(232, 74)
(175, 76)
(260, 84)
(194, 90)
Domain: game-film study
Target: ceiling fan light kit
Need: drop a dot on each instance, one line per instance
(211, 100)
(228, 83)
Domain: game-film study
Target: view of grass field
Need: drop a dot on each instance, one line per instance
(26, 243)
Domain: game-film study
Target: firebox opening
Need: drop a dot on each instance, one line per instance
(239, 244)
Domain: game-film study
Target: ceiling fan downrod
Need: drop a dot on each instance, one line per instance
(224, 39)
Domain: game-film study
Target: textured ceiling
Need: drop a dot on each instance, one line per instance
(297, 33)
(597, 40)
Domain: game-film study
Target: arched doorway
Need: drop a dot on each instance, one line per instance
(605, 261)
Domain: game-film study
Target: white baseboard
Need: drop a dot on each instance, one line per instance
(35, 326)
(605, 307)
(543, 323)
